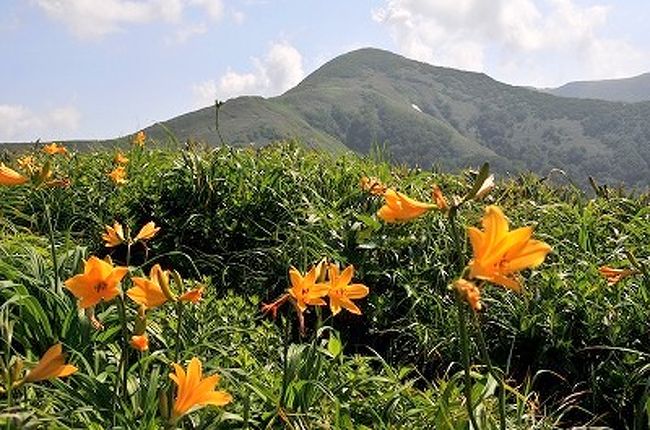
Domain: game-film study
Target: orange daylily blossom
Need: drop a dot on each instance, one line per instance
(9, 176)
(194, 391)
(304, 289)
(193, 295)
(51, 365)
(399, 207)
(372, 186)
(470, 293)
(54, 148)
(113, 236)
(140, 342)
(148, 231)
(148, 292)
(439, 198)
(100, 281)
(613, 276)
(139, 138)
(120, 158)
(118, 175)
(28, 163)
(499, 253)
(341, 292)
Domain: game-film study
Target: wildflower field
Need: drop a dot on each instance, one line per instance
(177, 286)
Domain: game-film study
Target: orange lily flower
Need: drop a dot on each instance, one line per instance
(51, 365)
(372, 186)
(100, 281)
(399, 207)
(341, 292)
(9, 176)
(28, 163)
(470, 293)
(140, 342)
(194, 391)
(118, 175)
(193, 295)
(139, 138)
(53, 149)
(113, 236)
(148, 231)
(499, 253)
(148, 292)
(304, 289)
(120, 158)
(613, 276)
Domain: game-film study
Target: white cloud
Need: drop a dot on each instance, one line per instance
(94, 19)
(542, 42)
(20, 123)
(278, 71)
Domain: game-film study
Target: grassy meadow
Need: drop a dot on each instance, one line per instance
(94, 320)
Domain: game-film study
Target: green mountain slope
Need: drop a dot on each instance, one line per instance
(429, 115)
(635, 89)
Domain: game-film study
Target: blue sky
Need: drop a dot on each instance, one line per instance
(103, 68)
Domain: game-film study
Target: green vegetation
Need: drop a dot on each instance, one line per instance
(574, 349)
(466, 118)
(632, 90)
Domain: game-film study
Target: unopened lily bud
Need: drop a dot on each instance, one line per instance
(163, 403)
(485, 188)
(321, 270)
(16, 369)
(163, 281)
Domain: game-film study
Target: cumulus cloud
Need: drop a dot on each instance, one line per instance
(19, 123)
(543, 42)
(278, 71)
(93, 19)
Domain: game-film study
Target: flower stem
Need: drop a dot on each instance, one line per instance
(502, 387)
(462, 322)
(464, 344)
(124, 359)
(50, 231)
(177, 342)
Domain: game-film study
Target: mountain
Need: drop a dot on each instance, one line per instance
(435, 116)
(632, 90)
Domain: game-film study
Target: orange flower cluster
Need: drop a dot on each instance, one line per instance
(321, 281)
(55, 149)
(118, 175)
(139, 139)
(114, 236)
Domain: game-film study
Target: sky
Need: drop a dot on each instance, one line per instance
(96, 69)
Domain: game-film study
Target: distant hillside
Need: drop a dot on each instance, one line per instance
(636, 89)
(430, 115)
(435, 116)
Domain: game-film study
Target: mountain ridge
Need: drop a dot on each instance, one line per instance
(435, 116)
(632, 90)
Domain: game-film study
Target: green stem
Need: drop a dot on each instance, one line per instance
(55, 263)
(124, 359)
(502, 386)
(285, 362)
(464, 344)
(462, 323)
(177, 342)
(9, 397)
